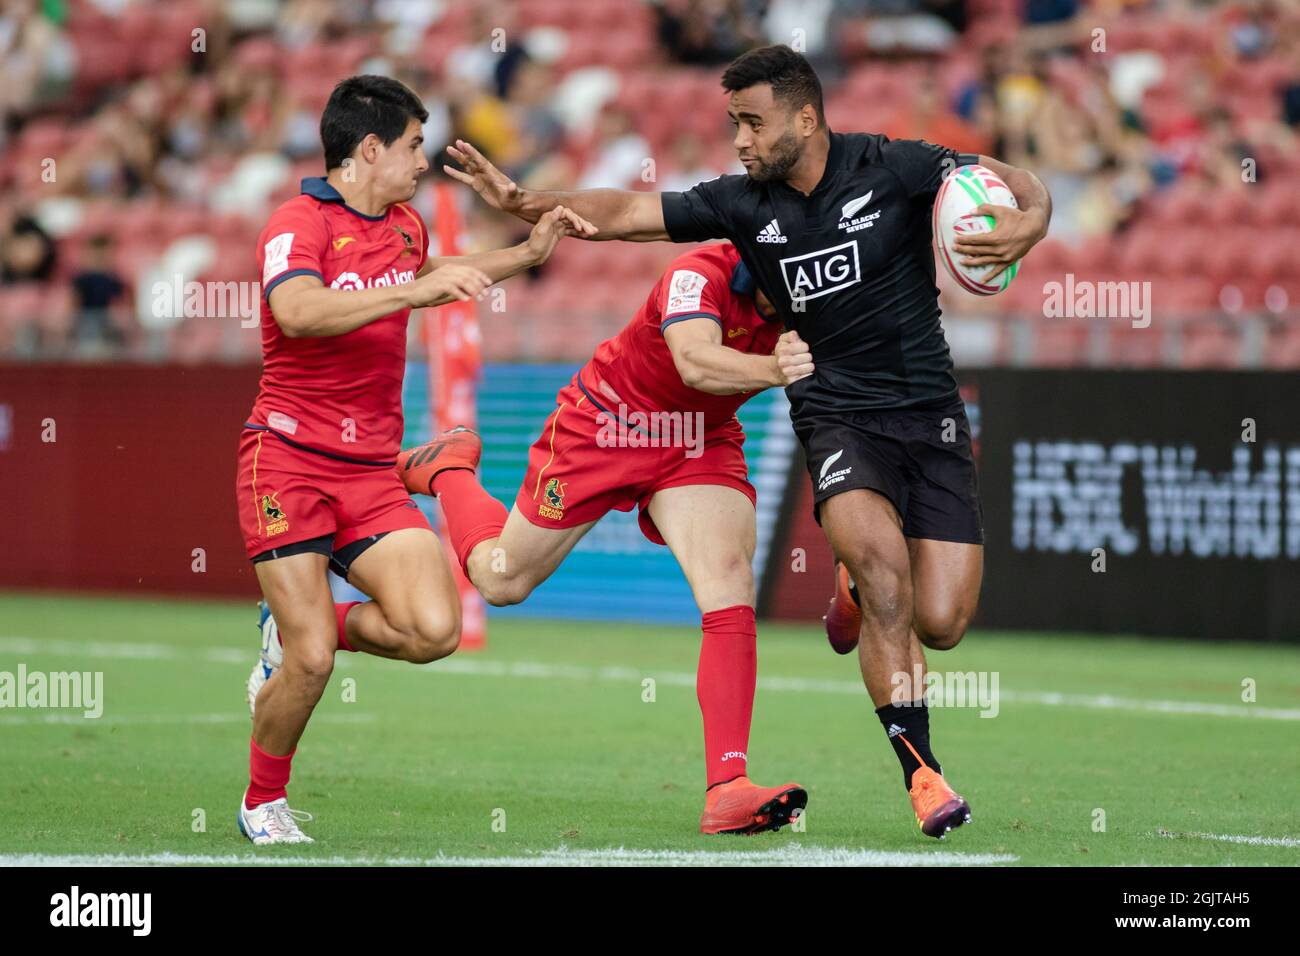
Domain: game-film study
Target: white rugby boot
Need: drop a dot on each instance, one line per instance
(271, 658)
(272, 822)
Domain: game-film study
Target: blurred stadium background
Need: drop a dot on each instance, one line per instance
(145, 140)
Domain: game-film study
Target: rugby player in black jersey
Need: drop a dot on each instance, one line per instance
(836, 229)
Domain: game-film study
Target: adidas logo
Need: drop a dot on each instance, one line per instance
(894, 730)
(771, 233)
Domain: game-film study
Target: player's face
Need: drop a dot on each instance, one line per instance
(766, 141)
(399, 165)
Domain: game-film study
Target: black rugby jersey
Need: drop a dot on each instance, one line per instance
(850, 267)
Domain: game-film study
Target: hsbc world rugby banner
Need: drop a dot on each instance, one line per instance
(1160, 502)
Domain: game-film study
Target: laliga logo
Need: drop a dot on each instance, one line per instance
(348, 280)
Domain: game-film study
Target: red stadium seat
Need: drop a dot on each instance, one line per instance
(1139, 347)
(1282, 349)
(1210, 344)
(1060, 342)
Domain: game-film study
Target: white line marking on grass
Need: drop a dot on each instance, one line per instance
(830, 686)
(9, 720)
(793, 855)
(537, 670)
(124, 649)
(1230, 838)
(131, 650)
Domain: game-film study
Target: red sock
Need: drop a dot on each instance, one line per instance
(268, 775)
(341, 613)
(724, 684)
(472, 515)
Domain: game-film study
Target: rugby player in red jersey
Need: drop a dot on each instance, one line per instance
(650, 422)
(342, 265)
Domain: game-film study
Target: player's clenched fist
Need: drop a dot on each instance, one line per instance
(451, 283)
(793, 358)
(551, 228)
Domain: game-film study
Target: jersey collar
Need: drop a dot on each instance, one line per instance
(318, 187)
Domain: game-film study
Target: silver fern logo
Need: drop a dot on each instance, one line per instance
(825, 480)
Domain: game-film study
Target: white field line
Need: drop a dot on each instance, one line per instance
(793, 855)
(130, 650)
(11, 720)
(526, 669)
(1230, 838)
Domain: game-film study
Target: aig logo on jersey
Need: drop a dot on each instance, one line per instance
(822, 272)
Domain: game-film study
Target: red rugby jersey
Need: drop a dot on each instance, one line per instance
(340, 394)
(636, 368)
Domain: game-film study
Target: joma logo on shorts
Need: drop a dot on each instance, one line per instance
(819, 273)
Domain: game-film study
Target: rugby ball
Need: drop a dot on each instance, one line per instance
(966, 188)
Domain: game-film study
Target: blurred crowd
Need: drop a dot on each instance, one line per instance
(146, 139)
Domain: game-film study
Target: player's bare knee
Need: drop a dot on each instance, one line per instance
(882, 581)
(309, 669)
(942, 632)
(433, 637)
(729, 582)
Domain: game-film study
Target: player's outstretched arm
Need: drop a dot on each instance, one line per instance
(611, 213)
(500, 264)
(1017, 230)
(706, 364)
(304, 308)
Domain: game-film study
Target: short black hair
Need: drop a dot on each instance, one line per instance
(361, 105)
(792, 77)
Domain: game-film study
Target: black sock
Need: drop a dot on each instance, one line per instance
(909, 724)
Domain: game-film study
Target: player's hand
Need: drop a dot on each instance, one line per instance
(551, 228)
(1015, 232)
(496, 188)
(453, 283)
(793, 358)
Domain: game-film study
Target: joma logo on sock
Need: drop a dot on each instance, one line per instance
(103, 909)
(734, 755)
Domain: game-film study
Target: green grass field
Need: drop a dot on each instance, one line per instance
(547, 733)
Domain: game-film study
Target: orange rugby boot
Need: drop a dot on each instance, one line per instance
(458, 447)
(938, 808)
(739, 806)
(844, 617)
